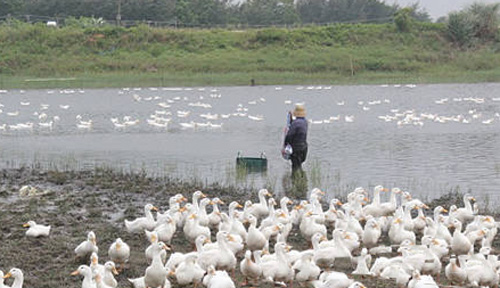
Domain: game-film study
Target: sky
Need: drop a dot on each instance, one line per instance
(438, 8)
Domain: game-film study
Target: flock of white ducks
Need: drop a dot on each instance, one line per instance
(246, 235)
(196, 111)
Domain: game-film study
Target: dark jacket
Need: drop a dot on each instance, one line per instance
(297, 134)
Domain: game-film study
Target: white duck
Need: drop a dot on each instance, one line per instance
(466, 213)
(119, 253)
(306, 269)
(195, 199)
(166, 229)
(18, 276)
(260, 209)
(251, 269)
(2, 280)
(95, 266)
(460, 244)
(137, 282)
(109, 271)
(217, 279)
(374, 207)
(189, 271)
(454, 273)
(142, 223)
(214, 217)
(256, 240)
(87, 247)
(371, 233)
(389, 208)
(153, 239)
(308, 226)
(363, 262)
(156, 274)
(36, 230)
(278, 269)
(222, 257)
(397, 234)
(202, 212)
(331, 215)
(86, 272)
(193, 229)
(422, 281)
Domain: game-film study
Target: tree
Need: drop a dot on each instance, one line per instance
(403, 19)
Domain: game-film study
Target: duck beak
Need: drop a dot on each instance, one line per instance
(115, 271)
(230, 238)
(445, 211)
(74, 273)
(211, 203)
(239, 206)
(118, 246)
(154, 208)
(166, 247)
(221, 202)
(25, 225)
(93, 241)
(182, 209)
(203, 195)
(385, 190)
(171, 273)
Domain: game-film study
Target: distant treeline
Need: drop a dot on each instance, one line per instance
(210, 12)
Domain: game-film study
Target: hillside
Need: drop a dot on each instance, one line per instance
(143, 56)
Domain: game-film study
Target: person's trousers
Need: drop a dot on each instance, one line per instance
(298, 157)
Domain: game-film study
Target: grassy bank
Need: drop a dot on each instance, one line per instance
(35, 56)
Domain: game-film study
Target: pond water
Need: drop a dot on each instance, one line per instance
(427, 139)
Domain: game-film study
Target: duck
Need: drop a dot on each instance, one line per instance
(278, 269)
(119, 253)
(100, 283)
(306, 269)
(217, 279)
(454, 273)
(2, 280)
(214, 217)
(95, 266)
(331, 215)
(156, 274)
(197, 195)
(178, 257)
(397, 234)
(260, 209)
(422, 281)
(389, 208)
(18, 276)
(193, 229)
(374, 207)
(166, 228)
(202, 212)
(109, 271)
(86, 272)
(371, 233)
(142, 223)
(189, 271)
(36, 230)
(255, 240)
(308, 226)
(153, 239)
(333, 279)
(460, 244)
(465, 214)
(137, 282)
(363, 262)
(87, 247)
(249, 268)
(222, 257)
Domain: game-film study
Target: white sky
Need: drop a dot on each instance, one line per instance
(438, 8)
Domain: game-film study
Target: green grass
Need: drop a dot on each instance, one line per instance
(143, 56)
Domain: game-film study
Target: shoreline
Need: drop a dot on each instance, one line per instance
(120, 80)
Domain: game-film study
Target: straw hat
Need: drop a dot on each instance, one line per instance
(299, 110)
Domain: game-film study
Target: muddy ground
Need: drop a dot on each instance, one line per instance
(100, 200)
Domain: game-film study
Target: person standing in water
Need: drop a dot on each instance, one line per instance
(297, 138)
